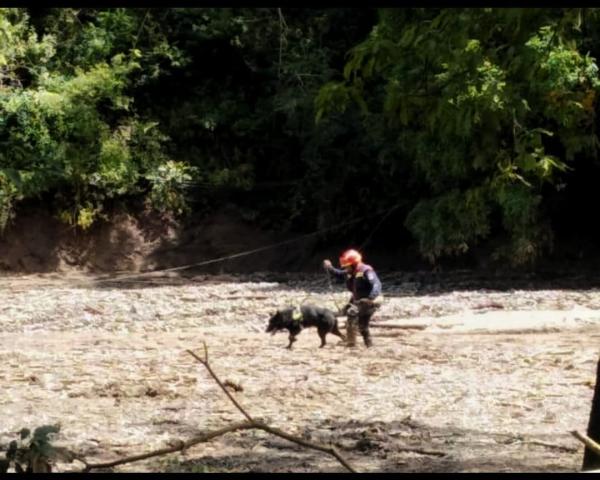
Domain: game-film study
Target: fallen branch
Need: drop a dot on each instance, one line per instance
(516, 405)
(587, 441)
(330, 450)
(562, 448)
(522, 441)
(407, 326)
(246, 297)
(218, 380)
(434, 453)
(492, 305)
(392, 334)
(241, 297)
(180, 446)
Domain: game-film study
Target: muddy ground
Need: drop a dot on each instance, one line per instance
(495, 378)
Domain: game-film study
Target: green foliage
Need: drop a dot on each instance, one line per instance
(166, 180)
(473, 120)
(73, 129)
(34, 453)
(521, 217)
(171, 105)
(457, 218)
(9, 194)
(490, 101)
(335, 96)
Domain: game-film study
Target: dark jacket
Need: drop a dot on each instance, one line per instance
(363, 282)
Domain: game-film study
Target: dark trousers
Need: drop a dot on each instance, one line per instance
(359, 314)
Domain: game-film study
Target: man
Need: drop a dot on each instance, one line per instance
(366, 298)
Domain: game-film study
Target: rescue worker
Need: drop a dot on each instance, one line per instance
(366, 298)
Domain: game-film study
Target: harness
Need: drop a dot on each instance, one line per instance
(297, 315)
(353, 279)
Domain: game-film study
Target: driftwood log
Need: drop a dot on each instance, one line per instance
(392, 326)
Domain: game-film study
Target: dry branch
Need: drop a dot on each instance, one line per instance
(251, 423)
(180, 446)
(587, 441)
(521, 441)
(390, 334)
(421, 451)
(406, 326)
(562, 448)
(241, 297)
(331, 450)
(218, 380)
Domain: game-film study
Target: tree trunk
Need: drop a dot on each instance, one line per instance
(591, 461)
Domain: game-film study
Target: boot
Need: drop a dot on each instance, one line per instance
(351, 327)
(363, 328)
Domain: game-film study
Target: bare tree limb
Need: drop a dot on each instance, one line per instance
(587, 441)
(422, 451)
(216, 379)
(282, 31)
(180, 446)
(140, 30)
(331, 450)
(207, 436)
(551, 445)
(408, 326)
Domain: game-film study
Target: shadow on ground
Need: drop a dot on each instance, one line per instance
(403, 446)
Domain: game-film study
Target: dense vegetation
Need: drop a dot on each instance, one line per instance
(477, 125)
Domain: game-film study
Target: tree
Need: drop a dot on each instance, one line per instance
(68, 125)
(489, 107)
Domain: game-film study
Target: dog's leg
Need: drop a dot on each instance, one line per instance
(292, 340)
(322, 334)
(336, 331)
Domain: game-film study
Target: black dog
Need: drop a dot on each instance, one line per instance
(294, 320)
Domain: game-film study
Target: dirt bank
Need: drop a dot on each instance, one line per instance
(39, 243)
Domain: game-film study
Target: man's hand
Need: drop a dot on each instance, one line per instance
(326, 264)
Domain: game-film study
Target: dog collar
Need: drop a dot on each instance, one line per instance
(297, 315)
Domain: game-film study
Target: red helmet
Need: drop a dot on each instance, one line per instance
(350, 257)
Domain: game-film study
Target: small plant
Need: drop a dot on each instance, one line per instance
(34, 453)
(167, 181)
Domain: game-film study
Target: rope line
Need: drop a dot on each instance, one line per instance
(244, 253)
(126, 276)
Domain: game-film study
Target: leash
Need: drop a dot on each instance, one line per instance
(362, 246)
(327, 274)
(250, 252)
(117, 279)
(302, 302)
